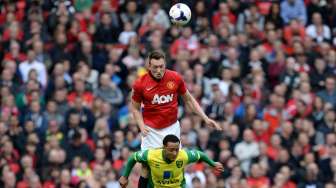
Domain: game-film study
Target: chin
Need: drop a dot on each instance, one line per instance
(173, 158)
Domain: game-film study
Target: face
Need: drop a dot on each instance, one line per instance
(317, 18)
(35, 106)
(248, 135)
(105, 80)
(65, 177)
(80, 86)
(9, 179)
(200, 6)
(255, 170)
(100, 154)
(31, 55)
(131, 6)
(157, 67)
(330, 84)
(275, 8)
(172, 150)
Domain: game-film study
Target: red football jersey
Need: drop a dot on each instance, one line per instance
(159, 98)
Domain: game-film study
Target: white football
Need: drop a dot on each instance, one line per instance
(180, 14)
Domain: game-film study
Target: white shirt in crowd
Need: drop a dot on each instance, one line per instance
(125, 37)
(189, 177)
(245, 152)
(25, 67)
(313, 33)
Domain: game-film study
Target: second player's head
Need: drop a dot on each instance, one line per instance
(171, 146)
(157, 64)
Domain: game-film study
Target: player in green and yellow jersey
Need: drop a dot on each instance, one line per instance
(166, 164)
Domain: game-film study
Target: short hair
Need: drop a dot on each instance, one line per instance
(329, 76)
(170, 138)
(156, 55)
(196, 180)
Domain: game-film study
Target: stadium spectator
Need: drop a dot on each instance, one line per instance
(246, 150)
(293, 9)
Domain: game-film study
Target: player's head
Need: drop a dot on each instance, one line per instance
(171, 146)
(157, 64)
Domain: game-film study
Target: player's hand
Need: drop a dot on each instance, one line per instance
(213, 124)
(144, 131)
(123, 181)
(219, 167)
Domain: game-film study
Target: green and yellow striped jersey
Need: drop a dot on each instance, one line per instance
(164, 174)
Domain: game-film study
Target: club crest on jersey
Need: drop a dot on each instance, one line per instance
(179, 163)
(162, 99)
(170, 85)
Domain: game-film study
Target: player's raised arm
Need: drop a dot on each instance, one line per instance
(196, 108)
(196, 155)
(140, 156)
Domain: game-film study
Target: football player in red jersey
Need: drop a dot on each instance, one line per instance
(158, 91)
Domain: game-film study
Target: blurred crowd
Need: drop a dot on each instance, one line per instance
(264, 70)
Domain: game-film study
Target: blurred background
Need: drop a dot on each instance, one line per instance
(265, 70)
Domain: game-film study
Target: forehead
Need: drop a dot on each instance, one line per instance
(173, 145)
(157, 62)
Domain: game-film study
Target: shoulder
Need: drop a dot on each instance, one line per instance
(321, 93)
(141, 155)
(185, 153)
(23, 63)
(142, 78)
(191, 153)
(173, 74)
(139, 82)
(154, 153)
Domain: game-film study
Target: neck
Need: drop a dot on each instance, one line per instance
(156, 79)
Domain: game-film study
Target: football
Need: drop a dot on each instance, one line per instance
(180, 14)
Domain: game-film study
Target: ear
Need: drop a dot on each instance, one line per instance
(147, 63)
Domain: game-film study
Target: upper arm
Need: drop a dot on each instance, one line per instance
(135, 105)
(182, 88)
(137, 94)
(193, 156)
(141, 156)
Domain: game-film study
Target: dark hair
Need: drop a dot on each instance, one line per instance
(329, 76)
(195, 180)
(170, 138)
(76, 135)
(156, 55)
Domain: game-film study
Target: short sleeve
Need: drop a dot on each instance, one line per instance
(193, 156)
(141, 156)
(137, 92)
(182, 88)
